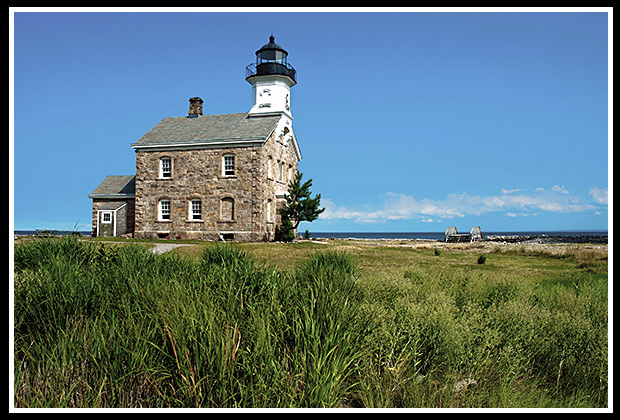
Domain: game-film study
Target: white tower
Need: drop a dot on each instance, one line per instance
(271, 78)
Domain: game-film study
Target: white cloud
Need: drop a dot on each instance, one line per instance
(599, 195)
(511, 214)
(513, 202)
(559, 189)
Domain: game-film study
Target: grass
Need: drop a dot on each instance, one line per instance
(342, 324)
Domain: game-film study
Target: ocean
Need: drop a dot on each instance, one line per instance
(402, 235)
(441, 235)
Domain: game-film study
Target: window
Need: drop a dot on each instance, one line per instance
(229, 165)
(227, 209)
(164, 209)
(280, 171)
(269, 211)
(106, 217)
(195, 209)
(269, 167)
(165, 167)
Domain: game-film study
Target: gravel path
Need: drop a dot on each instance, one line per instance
(161, 248)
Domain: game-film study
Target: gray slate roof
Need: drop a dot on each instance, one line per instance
(219, 129)
(116, 186)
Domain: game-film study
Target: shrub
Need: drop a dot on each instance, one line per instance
(482, 259)
(286, 232)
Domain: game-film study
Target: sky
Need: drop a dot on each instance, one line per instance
(408, 121)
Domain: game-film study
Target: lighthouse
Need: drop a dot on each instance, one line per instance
(211, 177)
(271, 77)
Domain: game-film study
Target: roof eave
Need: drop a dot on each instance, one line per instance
(111, 195)
(200, 144)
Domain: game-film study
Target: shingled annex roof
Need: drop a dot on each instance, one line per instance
(116, 186)
(208, 131)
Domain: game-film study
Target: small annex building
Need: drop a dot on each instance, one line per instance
(210, 177)
(113, 206)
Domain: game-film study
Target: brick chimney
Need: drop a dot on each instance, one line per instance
(195, 107)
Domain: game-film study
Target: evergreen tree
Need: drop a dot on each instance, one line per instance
(300, 206)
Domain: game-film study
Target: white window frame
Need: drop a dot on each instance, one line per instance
(195, 209)
(269, 211)
(163, 207)
(165, 170)
(228, 165)
(270, 168)
(103, 217)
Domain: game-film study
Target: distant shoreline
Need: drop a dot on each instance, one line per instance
(543, 237)
(577, 236)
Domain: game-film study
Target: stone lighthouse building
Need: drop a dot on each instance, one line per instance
(211, 176)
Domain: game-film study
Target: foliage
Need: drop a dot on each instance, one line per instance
(300, 206)
(101, 325)
(286, 231)
(163, 331)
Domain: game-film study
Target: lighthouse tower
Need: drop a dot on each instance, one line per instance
(271, 78)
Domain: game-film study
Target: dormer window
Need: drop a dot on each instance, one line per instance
(165, 167)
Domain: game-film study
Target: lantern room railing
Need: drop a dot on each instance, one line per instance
(271, 68)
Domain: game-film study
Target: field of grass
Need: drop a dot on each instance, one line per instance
(335, 324)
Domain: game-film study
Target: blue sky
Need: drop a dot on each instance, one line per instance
(407, 121)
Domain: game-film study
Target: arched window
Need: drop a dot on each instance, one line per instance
(227, 209)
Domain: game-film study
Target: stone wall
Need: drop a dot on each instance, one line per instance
(198, 174)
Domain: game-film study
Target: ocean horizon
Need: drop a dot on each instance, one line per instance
(394, 235)
(441, 235)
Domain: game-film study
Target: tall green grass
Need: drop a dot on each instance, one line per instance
(101, 326)
(480, 339)
(125, 328)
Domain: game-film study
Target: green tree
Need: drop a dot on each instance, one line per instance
(300, 206)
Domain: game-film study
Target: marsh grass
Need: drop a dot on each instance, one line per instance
(99, 325)
(125, 328)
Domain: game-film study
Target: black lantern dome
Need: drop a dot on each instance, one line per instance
(271, 59)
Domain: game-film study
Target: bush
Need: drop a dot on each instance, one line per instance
(482, 259)
(286, 232)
